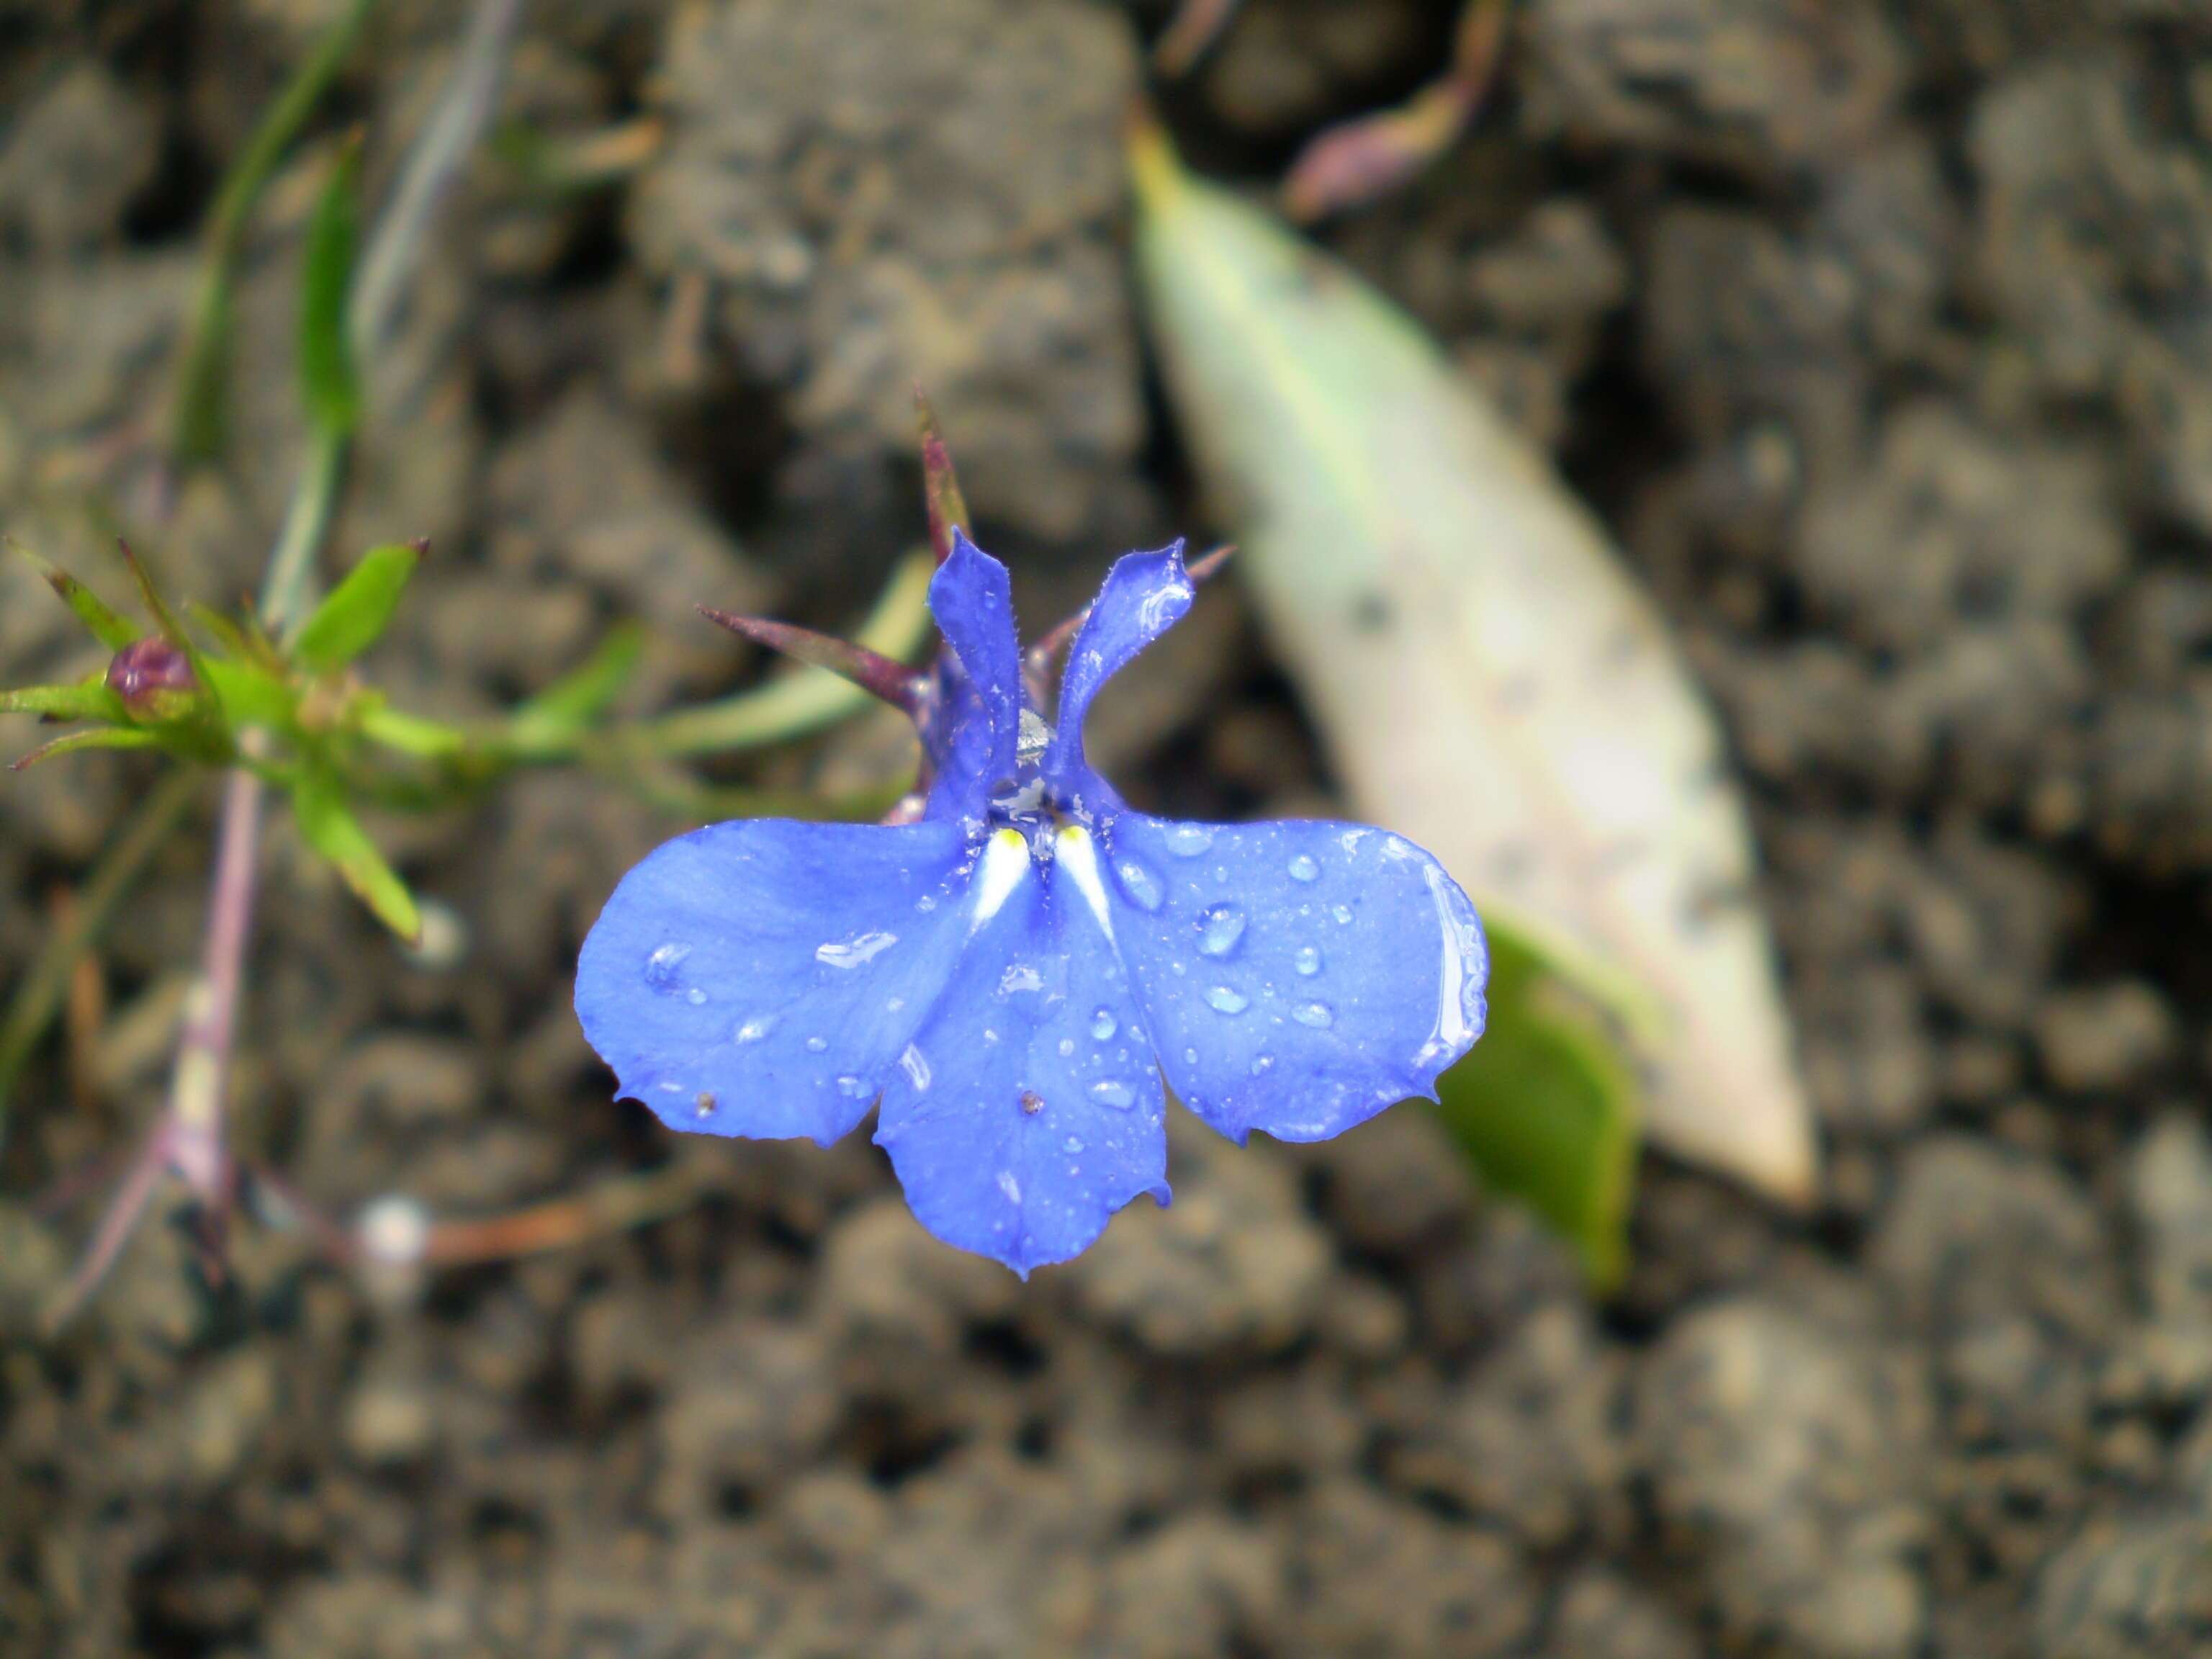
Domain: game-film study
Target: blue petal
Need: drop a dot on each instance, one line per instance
(974, 735)
(760, 977)
(1144, 595)
(1298, 976)
(1027, 1110)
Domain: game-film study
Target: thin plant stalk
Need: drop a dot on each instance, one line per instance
(188, 1140)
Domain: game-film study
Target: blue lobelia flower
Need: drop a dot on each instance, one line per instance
(1013, 972)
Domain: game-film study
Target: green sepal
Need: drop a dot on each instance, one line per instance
(165, 620)
(98, 736)
(110, 629)
(249, 694)
(1545, 1105)
(329, 379)
(88, 700)
(358, 610)
(328, 825)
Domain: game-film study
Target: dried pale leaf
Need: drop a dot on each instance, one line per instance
(1489, 677)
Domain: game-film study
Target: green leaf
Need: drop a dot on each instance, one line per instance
(250, 695)
(110, 629)
(1545, 1105)
(329, 379)
(582, 694)
(90, 701)
(328, 825)
(358, 610)
(165, 620)
(197, 418)
(410, 734)
(1489, 677)
(99, 736)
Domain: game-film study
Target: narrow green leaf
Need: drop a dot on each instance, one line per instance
(328, 825)
(197, 428)
(1544, 1106)
(250, 695)
(583, 694)
(110, 629)
(410, 734)
(329, 379)
(358, 610)
(165, 620)
(98, 736)
(89, 701)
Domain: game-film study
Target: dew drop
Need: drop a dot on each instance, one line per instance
(694, 996)
(1103, 1024)
(853, 1088)
(752, 1030)
(661, 966)
(1304, 869)
(1010, 1187)
(1140, 882)
(1224, 1000)
(1306, 960)
(1190, 1056)
(1073, 1144)
(1218, 930)
(1066, 1047)
(1316, 1014)
(1263, 1065)
(916, 1067)
(926, 903)
(1188, 839)
(855, 952)
(815, 1045)
(1112, 1091)
(1342, 913)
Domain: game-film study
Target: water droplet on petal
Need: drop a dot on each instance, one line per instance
(1112, 1091)
(853, 1088)
(1224, 1000)
(916, 1067)
(1103, 1024)
(1188, 839)
(1342, 913)
(1010, 1187)
(1140, 882)
(1073, 1144)
(660, 968)
(926, 903)
(855, 952)
(752, 1030)
(1066, 1047)
(1306, 960)
(1218, 930)
(694, 996)
(1263, 1065)
(1190, 1056)
(1316, 1014)
(1304, 869)
(815, 1045)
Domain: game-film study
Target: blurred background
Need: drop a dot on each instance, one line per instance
(1879, 335)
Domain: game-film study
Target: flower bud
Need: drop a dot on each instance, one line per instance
(155, 679)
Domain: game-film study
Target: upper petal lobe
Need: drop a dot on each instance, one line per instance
(1028, 1109)
(760, 977)
(1144, 595)
(973, 739)
(1298, 976)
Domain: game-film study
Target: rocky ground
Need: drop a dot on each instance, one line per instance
(1881, 334)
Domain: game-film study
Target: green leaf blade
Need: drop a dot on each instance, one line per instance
(91, 701)
(358, 610)
(327, 825)
(330, 381)
(110, 629)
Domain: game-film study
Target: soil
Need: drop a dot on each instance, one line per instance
(1882, 336)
